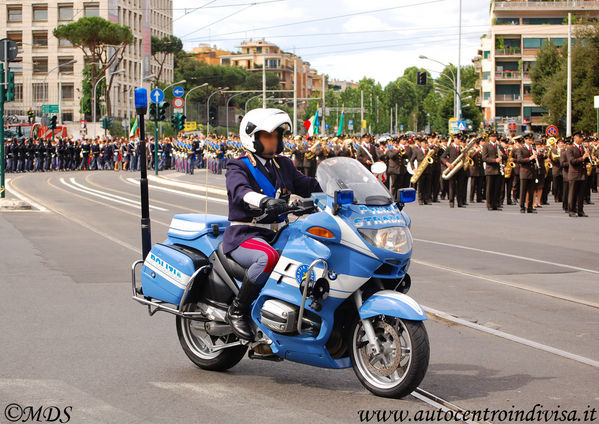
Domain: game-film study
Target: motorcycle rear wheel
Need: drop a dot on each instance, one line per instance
(193, 339)
(403, 361)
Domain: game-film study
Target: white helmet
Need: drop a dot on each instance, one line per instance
(267, 120)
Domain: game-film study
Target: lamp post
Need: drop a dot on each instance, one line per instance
(185, 98)
(249, 100)
(227, 109)
(94, 95)
(50, 71)
(456, 109)
(208, 108)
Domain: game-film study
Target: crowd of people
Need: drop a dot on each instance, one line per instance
(500, 170)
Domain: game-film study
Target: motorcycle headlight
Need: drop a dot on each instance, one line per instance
(395, 239)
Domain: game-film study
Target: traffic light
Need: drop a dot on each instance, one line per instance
(106, 123)
(421, 79)
(9, 92)
(153, 112)
(52, 125)
(31, 117)
(180, 122)
(162, 110)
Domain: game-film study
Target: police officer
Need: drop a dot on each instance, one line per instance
(258, 187)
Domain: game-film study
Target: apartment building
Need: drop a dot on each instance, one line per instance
(508, 52)
(49, 71)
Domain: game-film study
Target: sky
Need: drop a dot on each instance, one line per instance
(345, 39)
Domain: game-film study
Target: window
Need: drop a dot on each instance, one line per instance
(18, 92)
(15, 14)
(92, 10)
(64, 43)
(507, 112)
(40, 39)
(487, 95)
(542, 21)
(39, 92)
(17, 37)
(533, 43)
(40, 13)
(259, 49)
(507, 21)
(68, 92)
(273, 63)
(65, 12)
(486, 54)
(64, 65)
(486, 75)
(67, 116)
(40, 64)
(559, 42)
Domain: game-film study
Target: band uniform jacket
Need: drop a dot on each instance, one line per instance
(451, 153)
(556, 170)
(528, 169)
(363, 157)
(489, 154)
(477, 170)
(577, 170)
(397, 160)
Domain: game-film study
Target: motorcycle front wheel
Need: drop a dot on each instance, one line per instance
(195, 342)
(402, 362)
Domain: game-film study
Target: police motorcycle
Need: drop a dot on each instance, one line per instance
(336, 298)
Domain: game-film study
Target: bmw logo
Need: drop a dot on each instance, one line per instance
(332, 275)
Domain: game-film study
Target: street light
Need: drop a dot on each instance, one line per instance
(250, 99)
(457, 109)
(208, 108)
(185, 98)
(227, 109)
(70, 62)
(175, 83)
(94, 95)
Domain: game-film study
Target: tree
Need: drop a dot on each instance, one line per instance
(103, 44)
(162, 48)
(548, 62)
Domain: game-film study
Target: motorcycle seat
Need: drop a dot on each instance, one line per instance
(233, 268)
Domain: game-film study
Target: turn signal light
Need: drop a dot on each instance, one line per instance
(320, 232)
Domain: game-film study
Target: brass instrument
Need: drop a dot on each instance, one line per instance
(428, 159)
(459, 161)
(310, 154)
(589, 162)
(510, 164)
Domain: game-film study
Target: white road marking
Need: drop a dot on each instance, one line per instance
(510, 284)
(189, 186)
(507, 255)
(106, 196)
(24, 198)
(182, 193)
(511, 337)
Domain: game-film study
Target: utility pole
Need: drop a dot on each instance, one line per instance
(361, 112)
(264, 82)
(569, 100)
(295, 97)
(459, 77)
(323, 106)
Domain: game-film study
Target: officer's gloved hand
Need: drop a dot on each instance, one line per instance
(273, 207)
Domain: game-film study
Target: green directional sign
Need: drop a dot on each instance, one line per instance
(50, 109)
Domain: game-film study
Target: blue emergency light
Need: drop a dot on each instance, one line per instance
(141, 100)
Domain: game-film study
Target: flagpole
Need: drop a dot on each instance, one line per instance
(295, 97)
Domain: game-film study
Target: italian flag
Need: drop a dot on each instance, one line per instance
(134, 130)
(312, 124)
(341, 118)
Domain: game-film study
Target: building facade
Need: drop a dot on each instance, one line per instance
(50, 71)
(254, 54)
(210, 55)
(508, 52)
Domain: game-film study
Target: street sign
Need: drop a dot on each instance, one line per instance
(552, 131)
(177, 110)
(350, 125)
(178, 102)
(49, 108)
(461, 125)
(178, 91)
(327, 126)
(157, 95)
(191, 126)
(596, 102)
(8, 54)
(512, 126)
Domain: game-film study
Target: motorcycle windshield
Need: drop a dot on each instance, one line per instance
(343, 173)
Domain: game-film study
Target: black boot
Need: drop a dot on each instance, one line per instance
(238, 315)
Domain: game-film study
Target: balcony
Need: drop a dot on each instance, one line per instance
(508, 75)
(508, 97)
(545, 5)
(509, 51)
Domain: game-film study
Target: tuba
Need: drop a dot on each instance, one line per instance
(459, 162)
(428, 159)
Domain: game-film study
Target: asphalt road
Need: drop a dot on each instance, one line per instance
(513, 301)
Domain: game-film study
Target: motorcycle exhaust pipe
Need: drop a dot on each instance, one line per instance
(217, 329)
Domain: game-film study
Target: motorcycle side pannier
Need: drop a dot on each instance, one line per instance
(167, 270)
